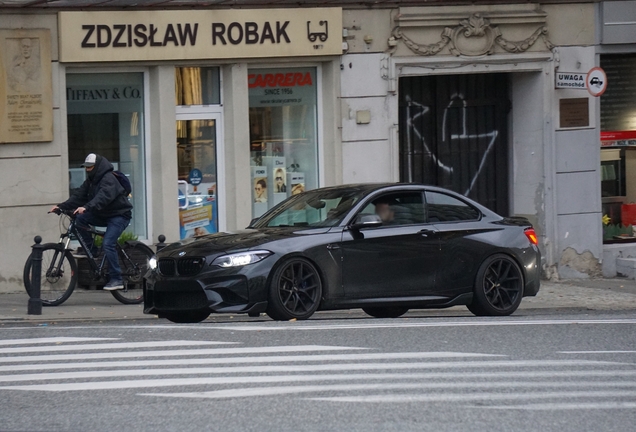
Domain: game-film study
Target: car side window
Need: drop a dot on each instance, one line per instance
(445, 208)
(403, 208)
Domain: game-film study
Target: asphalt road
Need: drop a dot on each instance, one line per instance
(572, 372)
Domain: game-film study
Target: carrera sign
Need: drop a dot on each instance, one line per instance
(202, 34)
(290, 79)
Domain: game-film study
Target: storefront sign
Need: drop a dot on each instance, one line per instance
(202, 34)
(618, 138)
(279, 87)
(26, 113)
(570, 80)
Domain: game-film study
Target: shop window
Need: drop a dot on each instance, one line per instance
(618, 148)
(197, 86)
(105, 115)
(283, 134)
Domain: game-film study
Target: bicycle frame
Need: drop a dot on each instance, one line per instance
(97, 270)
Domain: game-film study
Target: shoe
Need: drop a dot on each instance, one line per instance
(113, 285)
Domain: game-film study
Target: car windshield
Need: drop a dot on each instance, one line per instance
(318, 208)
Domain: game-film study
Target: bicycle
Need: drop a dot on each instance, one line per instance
(60, 268)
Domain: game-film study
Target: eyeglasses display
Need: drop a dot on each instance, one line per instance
(283, 134)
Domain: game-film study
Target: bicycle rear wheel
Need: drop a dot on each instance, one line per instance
(58, 275)
(134, 265)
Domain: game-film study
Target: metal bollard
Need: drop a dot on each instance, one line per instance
(161, 244)
(35, 302)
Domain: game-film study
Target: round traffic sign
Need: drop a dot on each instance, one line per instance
(596, 81)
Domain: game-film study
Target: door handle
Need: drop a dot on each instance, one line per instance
(427, 232)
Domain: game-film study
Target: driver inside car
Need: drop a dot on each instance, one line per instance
(383, 208)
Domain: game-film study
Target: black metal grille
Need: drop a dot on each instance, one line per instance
(190, 266)
(183, 267)
(167, 267)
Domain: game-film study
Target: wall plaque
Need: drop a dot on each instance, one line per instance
(574, 112)
(26, 106)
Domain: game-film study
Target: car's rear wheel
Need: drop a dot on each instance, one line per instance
(498, 287)
(386, 312)
(186, 317)
(295, 290)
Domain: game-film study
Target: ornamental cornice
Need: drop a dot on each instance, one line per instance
(472, 36)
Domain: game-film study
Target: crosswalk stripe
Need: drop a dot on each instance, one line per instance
(278, 379)
(600, 405)
(175, 353)
(107, 346)
(297, 368)
(51, 340)
(236, 360)
(441, 397)
(597, 352)
(307, 325)
(284, 390)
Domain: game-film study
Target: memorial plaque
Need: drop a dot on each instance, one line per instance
(26, 114)
(574, 112)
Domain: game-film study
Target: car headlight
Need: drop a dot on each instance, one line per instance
(152, 263)
(241, 258)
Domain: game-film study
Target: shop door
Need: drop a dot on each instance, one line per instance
(454, 134)
(198, 138)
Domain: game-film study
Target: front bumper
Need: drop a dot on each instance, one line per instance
(233, 290)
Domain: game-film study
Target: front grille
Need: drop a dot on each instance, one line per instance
(190, 266)
(182, 267)
(167, 267)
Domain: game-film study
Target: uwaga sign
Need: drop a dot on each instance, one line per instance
(183, 35)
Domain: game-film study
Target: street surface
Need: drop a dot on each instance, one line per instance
(573, 371)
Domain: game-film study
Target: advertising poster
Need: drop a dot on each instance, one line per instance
(198, 220)
(259, 190)
(296, 182)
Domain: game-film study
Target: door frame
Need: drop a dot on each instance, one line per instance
(211, 112)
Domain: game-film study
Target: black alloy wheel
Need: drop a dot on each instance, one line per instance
(386, 312)
(498, 287)
(295, 290)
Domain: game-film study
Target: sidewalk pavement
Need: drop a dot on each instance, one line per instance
(101, 306)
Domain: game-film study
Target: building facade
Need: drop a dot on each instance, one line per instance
(218, 114)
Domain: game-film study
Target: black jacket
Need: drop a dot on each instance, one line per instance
(101, 193)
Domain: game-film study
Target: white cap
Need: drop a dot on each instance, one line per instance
(90, 160)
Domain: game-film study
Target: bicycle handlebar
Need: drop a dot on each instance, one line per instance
(58, 211)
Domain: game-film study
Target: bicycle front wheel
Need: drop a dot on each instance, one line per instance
(133, 260)
(58, 275)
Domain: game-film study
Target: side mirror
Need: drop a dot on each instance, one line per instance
(366, 221)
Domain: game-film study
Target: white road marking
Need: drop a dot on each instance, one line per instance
(603, 405)
(172, 382)
(176, 353)
(237, 360)
(285, 390)
(51, 340)
(108, 346)
(596, 352)
(298, 368)
(400, 323)
(441, 397)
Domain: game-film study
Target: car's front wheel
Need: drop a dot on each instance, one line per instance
(295, 290)
(498, 287)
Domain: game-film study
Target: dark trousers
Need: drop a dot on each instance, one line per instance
(114, 227)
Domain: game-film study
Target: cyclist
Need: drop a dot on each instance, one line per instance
(101, 201)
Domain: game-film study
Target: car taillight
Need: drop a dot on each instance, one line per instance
(532, 235)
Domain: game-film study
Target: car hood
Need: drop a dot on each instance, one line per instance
(236, 241)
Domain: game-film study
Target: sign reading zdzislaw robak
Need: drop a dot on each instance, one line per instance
(202, 34)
